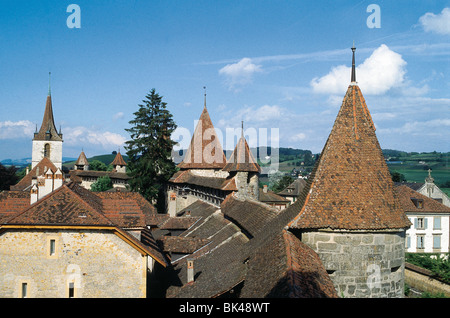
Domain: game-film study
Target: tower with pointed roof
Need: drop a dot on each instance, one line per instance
(350, 214)
(47, 141)
(205, 153)
(245, 169)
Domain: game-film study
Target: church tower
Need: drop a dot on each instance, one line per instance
(47, 142)
(350, 214)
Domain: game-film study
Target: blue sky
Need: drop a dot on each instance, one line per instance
(282, 67)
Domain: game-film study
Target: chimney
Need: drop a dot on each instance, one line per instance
(190, 271)
(265, 188)
(34, 194)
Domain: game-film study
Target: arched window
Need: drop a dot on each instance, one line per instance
(47, 151)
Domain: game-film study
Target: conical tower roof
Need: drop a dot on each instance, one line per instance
(118, 160)
(242, 158)
(205, 150)
(48, 130)
(82, 160)
(351, 187)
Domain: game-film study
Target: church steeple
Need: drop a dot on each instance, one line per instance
(47, 141)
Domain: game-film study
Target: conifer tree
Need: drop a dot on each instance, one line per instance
(149, 151)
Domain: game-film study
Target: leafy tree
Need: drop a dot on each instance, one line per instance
(97, 165)
(149, 151)
(103, 183)
(282, 183)
(7, 177)
(397, 176)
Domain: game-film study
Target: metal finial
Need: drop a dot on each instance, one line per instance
(242, 128)
(204, 87)
(49, 91)
(353, 64)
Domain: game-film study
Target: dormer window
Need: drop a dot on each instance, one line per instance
(418, 203)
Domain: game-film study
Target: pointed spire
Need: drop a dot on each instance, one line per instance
(48, 130)
(353, 64)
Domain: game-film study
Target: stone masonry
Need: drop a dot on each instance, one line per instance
(365, 264)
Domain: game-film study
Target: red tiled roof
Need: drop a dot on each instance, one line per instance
(82, 160)
(118, 160)
(351, 187)
(42, 167)
(186, 176)
(205, 150)
(408, 197)
(242, 158)
(13, 202)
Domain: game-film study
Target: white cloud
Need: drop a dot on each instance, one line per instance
(119, 115)
(383, 70)
(83, 136)
(18, 129)
(240, 73)
(437, 23)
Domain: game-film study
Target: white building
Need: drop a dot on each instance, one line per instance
(429, 232)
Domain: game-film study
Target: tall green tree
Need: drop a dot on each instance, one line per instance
(149, 151)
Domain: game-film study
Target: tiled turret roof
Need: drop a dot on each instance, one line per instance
(242, 158)
(351, 187)
(205, 150)
(48, 130)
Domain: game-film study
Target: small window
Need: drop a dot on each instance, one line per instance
(437, 223)
(24, 290)
(52, 247)
(436, 241)
(71, 290)
(420, 242)
(421, 223)
(47, 151)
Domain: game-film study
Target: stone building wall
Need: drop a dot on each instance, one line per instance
(362, 264)
(95, 264)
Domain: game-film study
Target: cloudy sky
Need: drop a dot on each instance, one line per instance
(280, 66)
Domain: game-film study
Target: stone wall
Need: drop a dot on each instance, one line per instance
(362, 264)
(422, 280)
(96, 264)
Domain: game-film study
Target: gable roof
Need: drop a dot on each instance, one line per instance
(187, 177)
(39, 170)
(205, 150)
(13, 202)
(294, 188)
(48, 124)
(351, 187)
(408, 197)
(73, 207)
(242, 159)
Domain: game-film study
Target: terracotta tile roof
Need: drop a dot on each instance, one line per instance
(186, 176)
(271, 197)
(291, 270)
(204, 142)
(242, 158)
(409, 200)
(68, 205)
(118, 160)
(294, 188)
(82, 160)
(13, 202)
(179, 244)
(48, 124)
(351, 187)
(38, 170)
